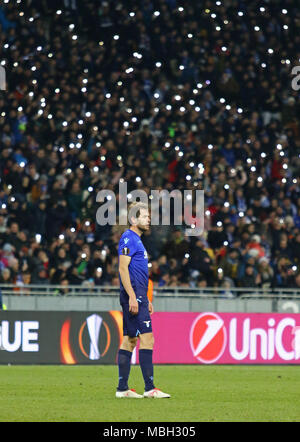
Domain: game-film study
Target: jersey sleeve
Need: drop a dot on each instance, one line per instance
(127, 246)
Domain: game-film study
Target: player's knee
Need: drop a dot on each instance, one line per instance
(129, 343)
(147, 340)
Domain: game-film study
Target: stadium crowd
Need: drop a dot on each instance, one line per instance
(159, 94)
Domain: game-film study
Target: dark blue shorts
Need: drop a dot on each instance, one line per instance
(134, 325)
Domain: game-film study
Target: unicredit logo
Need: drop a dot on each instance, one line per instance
(208, 337)
(250, 338)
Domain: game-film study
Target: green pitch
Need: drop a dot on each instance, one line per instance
(199, 393)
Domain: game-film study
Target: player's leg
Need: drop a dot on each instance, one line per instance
(124, 356)
(146, 363)
(145, 358)
(124, 361)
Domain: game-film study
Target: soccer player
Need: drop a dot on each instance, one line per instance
(133, 274)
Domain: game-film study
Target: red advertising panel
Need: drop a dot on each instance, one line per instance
(226, 338)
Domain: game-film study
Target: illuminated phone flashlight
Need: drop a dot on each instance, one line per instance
(87, 223)
(219, 224)
(99, 269)
(103, 252)
(220, 270)
(294, 268)
(201, 168)
(38, 238)
(83, 255)
(62, 237)
(187, 255)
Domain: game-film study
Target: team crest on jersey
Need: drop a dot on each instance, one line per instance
(125, 251)
(126, 240)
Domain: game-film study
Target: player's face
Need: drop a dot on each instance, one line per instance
(143, 221)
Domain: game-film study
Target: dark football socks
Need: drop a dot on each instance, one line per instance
(146, 365)
(124, 359)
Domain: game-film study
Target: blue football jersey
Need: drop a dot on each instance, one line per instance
(130, 244)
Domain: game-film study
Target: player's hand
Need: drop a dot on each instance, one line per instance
(151, 309)
(133, 306)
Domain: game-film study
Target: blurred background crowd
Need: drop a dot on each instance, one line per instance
(160, 94)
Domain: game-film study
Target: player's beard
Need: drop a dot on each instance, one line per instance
(143, 228)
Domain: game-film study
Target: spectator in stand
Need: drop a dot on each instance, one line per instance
(265, 272)
(6, 276)
(250, 279)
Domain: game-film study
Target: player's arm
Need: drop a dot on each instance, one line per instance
(124, 262)
(151, 309)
